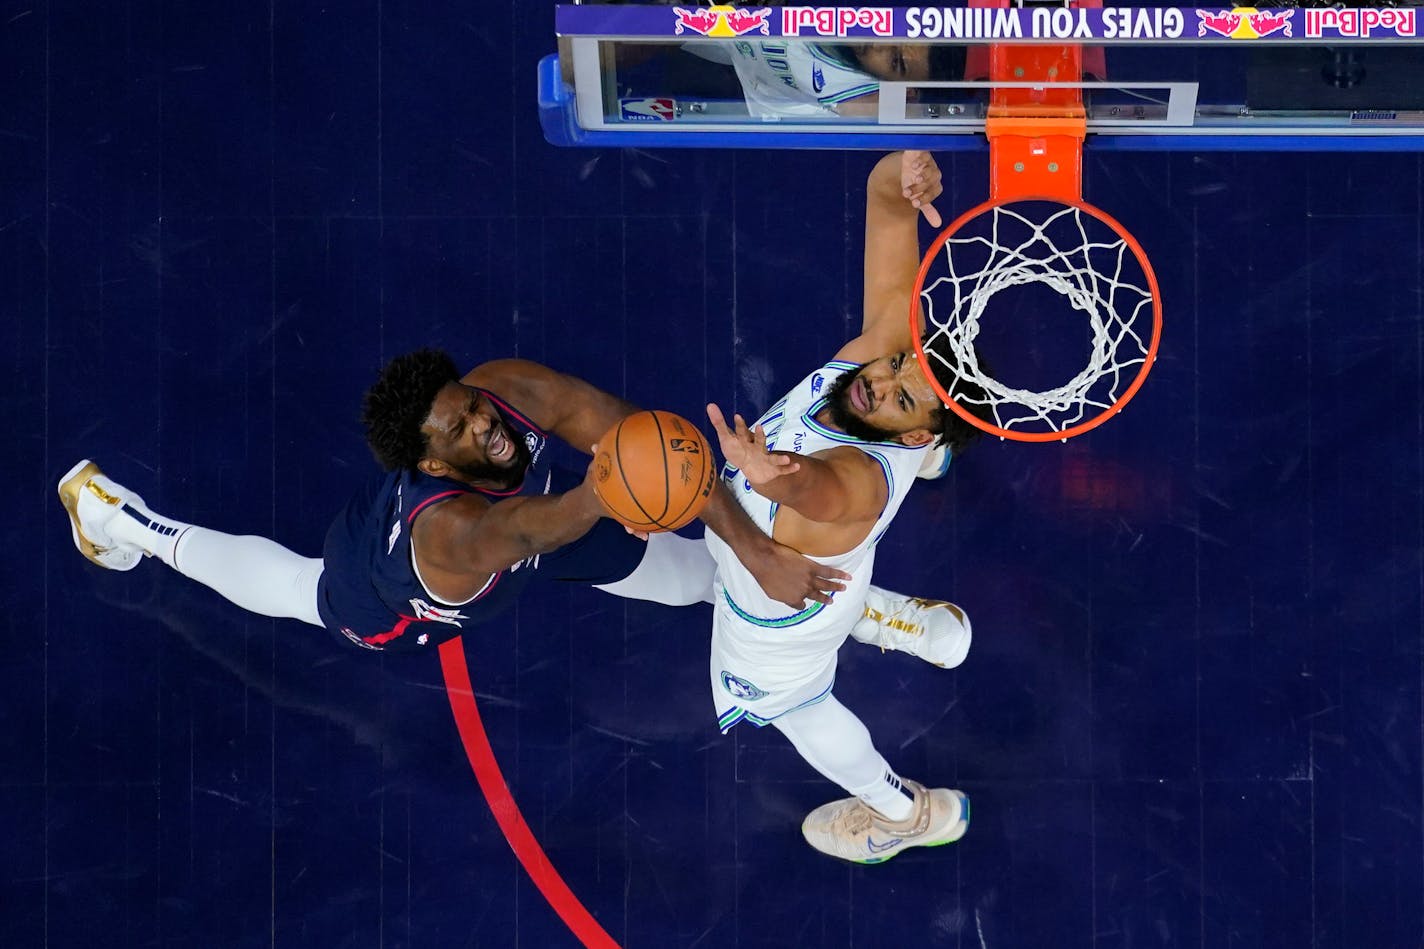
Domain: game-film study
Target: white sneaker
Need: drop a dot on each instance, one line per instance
(852, 830)
(935, 464)
(936, 631)
(92, 500)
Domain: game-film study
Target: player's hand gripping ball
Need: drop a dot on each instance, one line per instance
(654, 471)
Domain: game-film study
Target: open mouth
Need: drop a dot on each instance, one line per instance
(498, 445)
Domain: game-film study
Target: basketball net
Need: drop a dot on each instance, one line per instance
(1036, 228)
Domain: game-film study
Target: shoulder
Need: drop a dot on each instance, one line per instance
(533, 390)
(511, 375)
(851, 459)
(863, 349)
(449, 523)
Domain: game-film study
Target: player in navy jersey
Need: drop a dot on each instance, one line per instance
(468, 512)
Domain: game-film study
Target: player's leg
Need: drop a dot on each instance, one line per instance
(674, 570)
(837, 744)
(936, 631)
(886, 813)
(114, 528)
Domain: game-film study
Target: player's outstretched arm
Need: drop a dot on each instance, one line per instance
(775, 566)
(573, 410)
(838, 485)
(899, 189)
(579, 413)
(469, 536)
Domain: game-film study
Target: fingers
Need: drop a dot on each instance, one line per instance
(827, 587)
(714, 415)
(921, 182)
(826, 596)
(918, 173)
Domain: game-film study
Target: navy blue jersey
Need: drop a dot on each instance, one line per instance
(371, 592)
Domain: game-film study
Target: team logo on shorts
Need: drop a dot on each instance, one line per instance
(741, 688)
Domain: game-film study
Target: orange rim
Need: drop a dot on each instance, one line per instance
(916, 333)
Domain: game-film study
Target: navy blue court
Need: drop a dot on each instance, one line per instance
(1193, 715)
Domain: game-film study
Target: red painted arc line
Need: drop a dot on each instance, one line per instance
(501, 802)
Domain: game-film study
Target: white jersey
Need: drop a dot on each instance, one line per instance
(795, 79)
(767, 658)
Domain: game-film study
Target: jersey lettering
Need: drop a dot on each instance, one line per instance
(424, 611)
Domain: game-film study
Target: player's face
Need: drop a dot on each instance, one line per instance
(889, 396)
(896, 62)
(468, 435)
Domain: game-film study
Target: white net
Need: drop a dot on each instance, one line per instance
(1079, 256)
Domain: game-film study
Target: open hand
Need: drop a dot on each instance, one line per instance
(745, 449)
(787, 577)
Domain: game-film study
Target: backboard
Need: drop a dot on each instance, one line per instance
(1198, 78)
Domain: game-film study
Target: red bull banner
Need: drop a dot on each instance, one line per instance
(995, 24)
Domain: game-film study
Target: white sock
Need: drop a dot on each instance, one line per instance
(257, 574)
(837, 744)
(135, 524)
(674, 570)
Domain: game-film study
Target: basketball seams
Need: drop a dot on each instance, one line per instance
(650, 521)
(663, 451)
(703, 477)
(630, 497)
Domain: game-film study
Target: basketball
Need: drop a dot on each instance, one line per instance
(654, 471)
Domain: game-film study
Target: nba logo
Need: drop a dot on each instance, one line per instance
(647, 110)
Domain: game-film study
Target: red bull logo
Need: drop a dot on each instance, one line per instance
(1358, 23)
(839, 21)
(1244, 23)
(721, 20)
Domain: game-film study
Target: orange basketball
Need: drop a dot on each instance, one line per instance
(654, 471)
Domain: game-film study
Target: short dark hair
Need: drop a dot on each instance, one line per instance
(395, 408)
(946, 62)
(953, 431)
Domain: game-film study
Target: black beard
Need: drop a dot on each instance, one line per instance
(500, 476)
(843, 414)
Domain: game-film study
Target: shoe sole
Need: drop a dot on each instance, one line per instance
(69, 487)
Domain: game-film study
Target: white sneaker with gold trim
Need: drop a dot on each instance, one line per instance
(92, 500)
(852, 830)
(935, 630)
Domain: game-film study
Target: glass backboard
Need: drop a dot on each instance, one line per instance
(1298, 77)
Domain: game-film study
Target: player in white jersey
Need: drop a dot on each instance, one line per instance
(781, 77)
(766, 660)
(824, 471)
